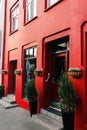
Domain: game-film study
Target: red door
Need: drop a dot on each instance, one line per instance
(58, 65)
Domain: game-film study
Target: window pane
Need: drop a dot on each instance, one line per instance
(51, 2)
(30, 67)
(35, 8)
(16, 23)
(31, 52)
(17, 10)
(30, 9)
(29, 64)
(15, 13)
(35, 52)
(27, 51)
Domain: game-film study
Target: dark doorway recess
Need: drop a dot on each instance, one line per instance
(12, 76)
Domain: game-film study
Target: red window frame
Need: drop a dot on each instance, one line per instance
(16, 4)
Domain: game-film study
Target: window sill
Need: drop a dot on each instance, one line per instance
(13, 32)
(48, 8)
(30, 20)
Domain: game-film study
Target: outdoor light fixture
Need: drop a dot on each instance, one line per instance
(38, 72)
(17, 71)
(4, 72)
(75, 72)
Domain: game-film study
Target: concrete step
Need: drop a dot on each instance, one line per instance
(51, 120)
(11, 96)
(52, 113)
(55, 105)
(7, 105)
(8, 101)
(47, 121)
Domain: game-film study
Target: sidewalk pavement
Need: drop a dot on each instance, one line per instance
(18, 119)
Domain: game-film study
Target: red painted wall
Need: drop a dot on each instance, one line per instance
(68, 17)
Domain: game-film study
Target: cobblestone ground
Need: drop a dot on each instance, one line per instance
(17, 119)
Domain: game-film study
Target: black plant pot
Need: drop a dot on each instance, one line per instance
(33, 107)
(68, 120)
(1, 93)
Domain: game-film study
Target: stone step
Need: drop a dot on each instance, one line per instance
(52, 113)
(11, 96)
(50, 118)
(47, 121)
(55, 105)
(7, 105)
(9, 100)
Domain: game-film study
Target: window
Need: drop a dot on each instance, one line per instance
(30, 9)
(30, 62)
(30, 55)
(14, 18)
(51, 2)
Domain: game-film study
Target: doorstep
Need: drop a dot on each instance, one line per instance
(8, 101)
(49, 118)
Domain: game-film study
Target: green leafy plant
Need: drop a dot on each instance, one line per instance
(67, 94)
(30, 90)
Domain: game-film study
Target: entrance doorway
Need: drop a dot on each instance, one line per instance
(58, 65)
(12, 77)
(57, 61)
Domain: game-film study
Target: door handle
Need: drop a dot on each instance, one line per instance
(47, 77)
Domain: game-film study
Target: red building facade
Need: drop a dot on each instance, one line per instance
(47, 35)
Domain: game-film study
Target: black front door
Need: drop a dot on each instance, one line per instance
(12, 77)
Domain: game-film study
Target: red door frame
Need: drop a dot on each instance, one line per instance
(46, 61)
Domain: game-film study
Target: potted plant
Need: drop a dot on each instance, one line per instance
(68, 101)
(1, 91)
(31, 95)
